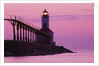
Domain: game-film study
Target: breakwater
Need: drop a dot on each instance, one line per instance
(18, 48)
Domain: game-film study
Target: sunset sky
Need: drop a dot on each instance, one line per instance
(72, 23)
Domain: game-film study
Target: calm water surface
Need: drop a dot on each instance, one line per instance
(79, 57)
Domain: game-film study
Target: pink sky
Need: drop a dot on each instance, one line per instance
(72, 23)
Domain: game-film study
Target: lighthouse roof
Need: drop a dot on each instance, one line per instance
(45, 11)
(46, 30)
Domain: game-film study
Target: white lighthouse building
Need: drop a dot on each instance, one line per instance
(45, 25)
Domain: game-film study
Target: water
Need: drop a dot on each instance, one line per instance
(79, 57)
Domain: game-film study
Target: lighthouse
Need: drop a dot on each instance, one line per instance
(45, 25)
(45, 19)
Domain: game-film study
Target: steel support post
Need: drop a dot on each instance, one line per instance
(28, 34)
(18, 31)
(23, 32)
(14, 37)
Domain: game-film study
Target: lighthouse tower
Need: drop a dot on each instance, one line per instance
(45, 25)
(45, 19)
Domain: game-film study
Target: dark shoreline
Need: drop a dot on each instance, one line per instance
(15, 48)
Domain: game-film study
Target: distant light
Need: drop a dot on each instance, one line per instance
(45, 13)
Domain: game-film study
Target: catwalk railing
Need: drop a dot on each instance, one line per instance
(25, 32)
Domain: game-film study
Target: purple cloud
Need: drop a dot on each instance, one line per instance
(86, 10)
(35, 20)
(62, 17)
(71, 17)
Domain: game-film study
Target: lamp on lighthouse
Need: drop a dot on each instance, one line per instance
(45, 13)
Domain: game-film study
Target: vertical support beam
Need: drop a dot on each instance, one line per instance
(14, 37)
(36, 36)
(33, 35)
(23, 32)
(18, 31)
(28, 34)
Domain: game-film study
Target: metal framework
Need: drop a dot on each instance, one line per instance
(25, 32)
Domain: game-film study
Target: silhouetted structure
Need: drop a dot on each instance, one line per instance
(29, 33)
(28, 40)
